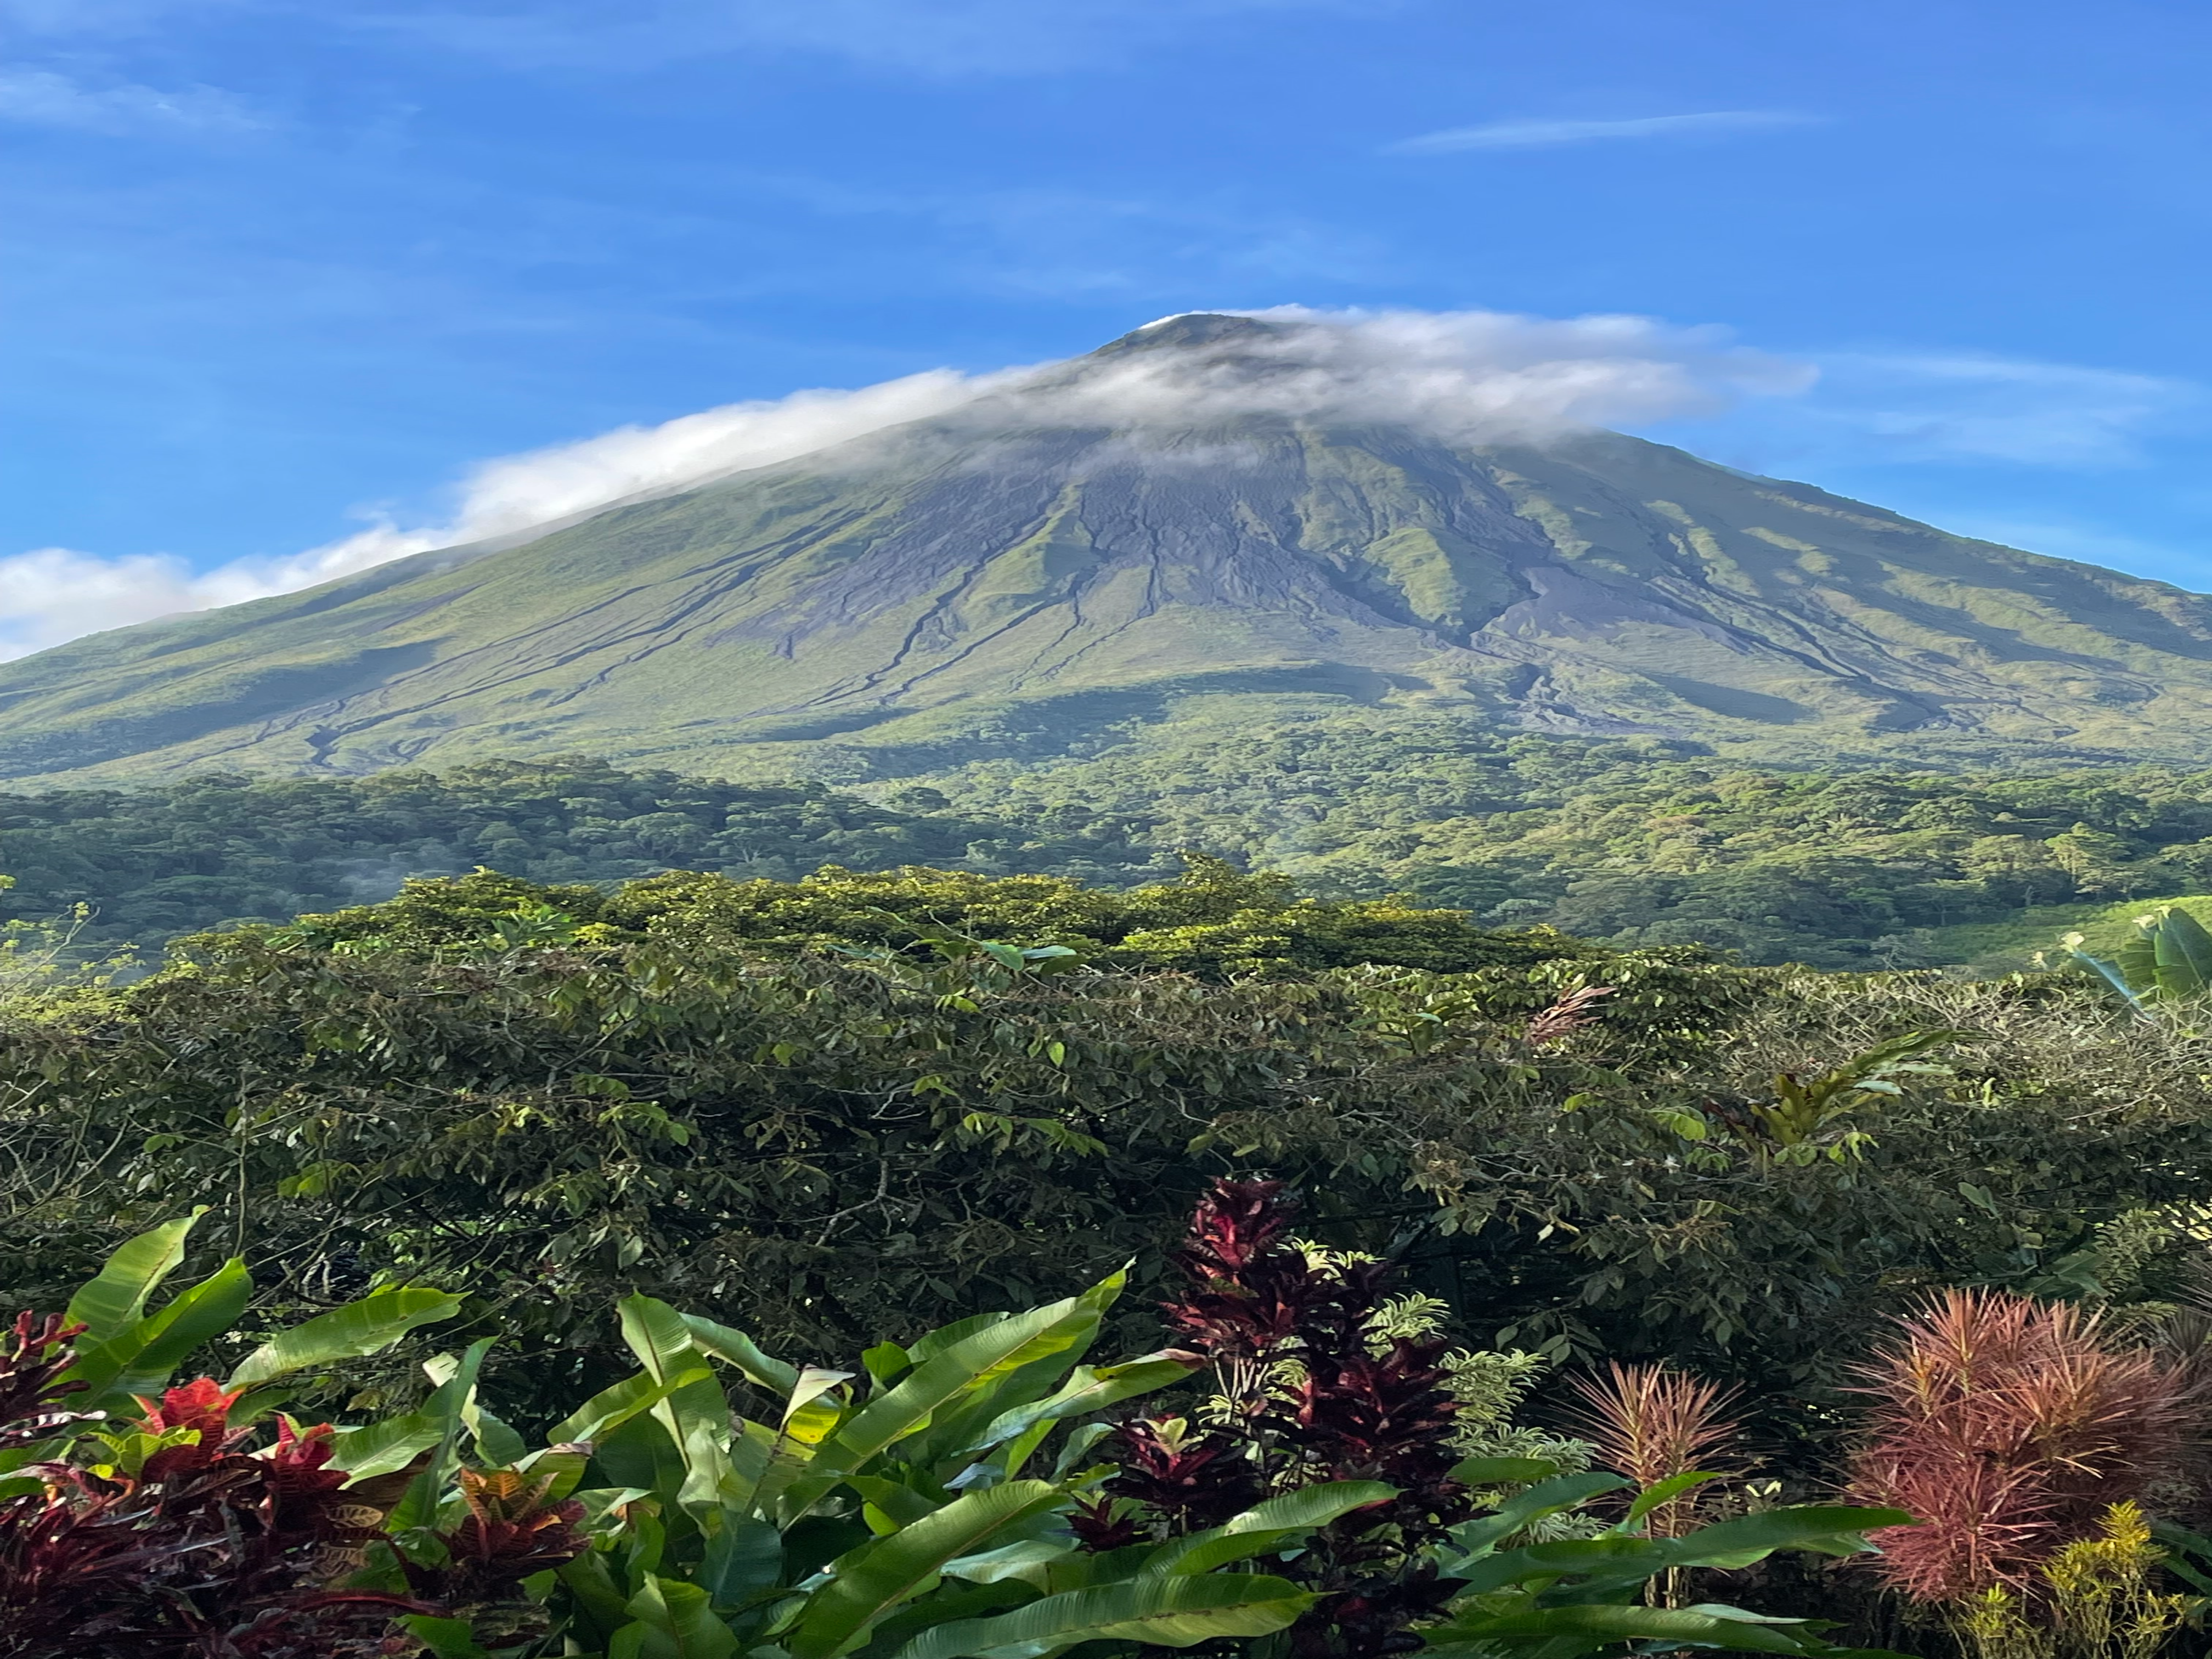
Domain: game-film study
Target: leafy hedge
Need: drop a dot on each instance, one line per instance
(545, 1112)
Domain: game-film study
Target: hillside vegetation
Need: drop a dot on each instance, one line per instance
(539, 1096)
(596, 1169)
(1629, 845)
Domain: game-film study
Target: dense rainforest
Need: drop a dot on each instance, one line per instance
(1631, 844)
(588, 1167)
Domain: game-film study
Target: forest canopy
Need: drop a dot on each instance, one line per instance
(1628, 844)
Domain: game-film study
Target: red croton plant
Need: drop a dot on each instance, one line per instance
(178, 1539)
(1308, 1391)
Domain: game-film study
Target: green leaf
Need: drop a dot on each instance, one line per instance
(1663, 1492)
(1831, 1529)
(366, 1327)
(1171, 1612)
(141, 1358)
(1501, 1471)
(695, 1413)
(382, 1448)
(1088, 1389)
(1555, 1631)
(674, 1620)
(2182, 950)
(1615, 1559)
(446, 1638)
(611, 1407)
(870, 1582)
(116, 1296)
(1265, 1529)
(965, 1366)
(456, 1380)
(1524, 1509)
(735, 1348)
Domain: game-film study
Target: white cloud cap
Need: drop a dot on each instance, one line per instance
(1472, 376)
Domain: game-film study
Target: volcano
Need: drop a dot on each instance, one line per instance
(1039, 566)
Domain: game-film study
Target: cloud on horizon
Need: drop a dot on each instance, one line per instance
(1545, 134)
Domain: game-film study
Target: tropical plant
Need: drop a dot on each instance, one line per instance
(2168, 960)
(1809, 1117)
(1567, 1598)
(2010, 1429)
(851, 1516)
(897, 1514)
(1665, 1431)
(158, 1535)
(2095, 1598)
(1317, 1378)
(121, 1348)
(1320, 1374)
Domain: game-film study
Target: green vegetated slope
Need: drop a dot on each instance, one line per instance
(1007, 581)
(1635, 843)
(778, 1103)
(1615, 842)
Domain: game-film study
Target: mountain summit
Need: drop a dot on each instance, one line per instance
(1206, 507)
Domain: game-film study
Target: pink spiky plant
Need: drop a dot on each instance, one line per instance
(2009, 1426)
(1651, 1423)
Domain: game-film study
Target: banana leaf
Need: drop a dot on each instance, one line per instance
(1172, 1611)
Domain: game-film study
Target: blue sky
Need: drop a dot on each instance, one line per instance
(278, 268)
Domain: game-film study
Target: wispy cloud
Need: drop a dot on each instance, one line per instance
(1467, 376)
(46, 98)
(947, 38)
(52, 594)
(1539, 135)
(1953, 407)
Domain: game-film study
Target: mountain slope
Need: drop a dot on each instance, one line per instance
(1016, 576)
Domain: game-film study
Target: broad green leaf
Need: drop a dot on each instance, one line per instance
(369, 1326)
(498, 1446)
(868, 1583)
(1524, 1509)
(1558, 1633)
(1663, 1492)
(140, 1359)
(1265, 1529)
(2183, 952)
(1024, 1559)
(595, 1595)
(1171, 1612)
(1501, 1471)
(963, 1366)
(930, 1344)
(456, 1380)
(657, 1335)
(1828, 1528)
(393, 1444)
(116, 1296)
(674, 1620)
(695, 1414)
(1090, 1388)
(611, 1407)
(735, 1348)
(740, 1559)
(810, 1386)
(1614, 1559)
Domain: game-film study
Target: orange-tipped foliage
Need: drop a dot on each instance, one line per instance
(2008, 1427)
(1650, 1423)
